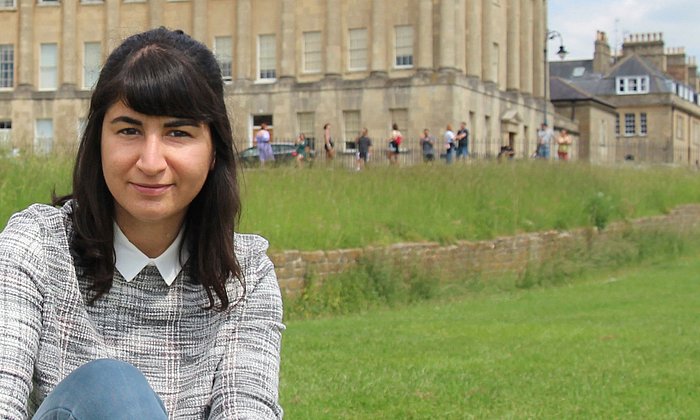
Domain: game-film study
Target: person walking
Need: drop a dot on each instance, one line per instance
(394, 144)
(364, 144)
(328, 144)
(462, 139)
(427, 144)
(544, 140)
(262, 142)
(449, 139)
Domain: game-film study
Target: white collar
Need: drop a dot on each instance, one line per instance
(130, 260)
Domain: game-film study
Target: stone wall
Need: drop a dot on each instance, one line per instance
(486, 259)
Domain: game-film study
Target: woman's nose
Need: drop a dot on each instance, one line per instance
(152, 158)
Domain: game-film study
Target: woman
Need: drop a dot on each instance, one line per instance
(563, 144)
(262, 142)
(394, 144)
(300, 150)
(450, 147)
(135, 299)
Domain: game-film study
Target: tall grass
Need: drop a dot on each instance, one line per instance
(327, 208)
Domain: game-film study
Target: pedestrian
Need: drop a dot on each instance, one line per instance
(427, 144)
(364, 144)
(564, 143)
(544, 139)
(301, 150)
(132, 297)
(394, 144)
(328, 144)
(462, 139)
(262, 142)
(450, 147)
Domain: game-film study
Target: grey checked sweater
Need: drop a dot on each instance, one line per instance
(203, 364)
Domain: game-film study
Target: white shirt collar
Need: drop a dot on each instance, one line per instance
(130, 260)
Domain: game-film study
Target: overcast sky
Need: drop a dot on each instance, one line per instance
(578, 21)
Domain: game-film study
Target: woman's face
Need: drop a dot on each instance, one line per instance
(154, 166)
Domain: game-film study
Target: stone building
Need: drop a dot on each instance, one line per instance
(295, 64)
(654, 93)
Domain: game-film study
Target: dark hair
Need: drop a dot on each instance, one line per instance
(160, 72)
(394, 126)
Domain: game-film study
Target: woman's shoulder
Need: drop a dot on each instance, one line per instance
(247, 246)
(39, 218)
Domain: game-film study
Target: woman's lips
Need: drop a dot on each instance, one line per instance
(151, 189)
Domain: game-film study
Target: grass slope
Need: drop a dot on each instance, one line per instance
(619, 347)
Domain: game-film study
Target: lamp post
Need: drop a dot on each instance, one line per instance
(561, 53)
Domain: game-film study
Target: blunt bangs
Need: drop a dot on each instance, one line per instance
(156, 82)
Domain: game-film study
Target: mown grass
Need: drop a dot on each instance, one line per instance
(623, 345)
(327, 208)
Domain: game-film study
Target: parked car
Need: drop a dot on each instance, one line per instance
(284, 154)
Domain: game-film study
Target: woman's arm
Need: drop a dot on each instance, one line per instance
(22, 261)
(246, 382)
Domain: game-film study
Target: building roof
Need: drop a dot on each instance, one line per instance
(565, 90)
(571, 69)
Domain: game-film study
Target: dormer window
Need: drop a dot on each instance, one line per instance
(632, 85)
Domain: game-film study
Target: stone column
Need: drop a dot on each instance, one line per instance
(69, 55)
(244, 26)
(538, 39)
(513, 46)
(424, 61)
(334, 28)
(487, 29)
(25, 50)
(288, 39)
(200, 21)
(378, 38)
(155, 13)
(527, 53)
(474, 56)
(460, 35)
(447, 34)
(112, 34)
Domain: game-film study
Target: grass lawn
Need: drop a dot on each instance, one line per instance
(622, 346)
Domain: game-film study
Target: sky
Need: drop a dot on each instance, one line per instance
(578, 20)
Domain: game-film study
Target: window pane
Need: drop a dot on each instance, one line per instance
(404, 46)
(43, 138)
(7, 66)
(306, 126)
(91, 64)
(48, 66)
(357, 49)
(643, 123)
(351, 128)
(267, 58)
(312, 52)
(629, 124)
(223, 49)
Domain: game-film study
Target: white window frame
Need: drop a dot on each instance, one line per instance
(630, 124)
(306, 121)
(223, 49)
(311, 52)
(357, 49)
(7, 66)
(43, 144)
(48, 66)
(92, 61)
(643, 127)
(403, 46)
(8, 4)
(351, 127)
(267, 58)
(632, 85)
(48, 2)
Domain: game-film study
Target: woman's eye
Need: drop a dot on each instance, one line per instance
(179, 133)
(130, 131)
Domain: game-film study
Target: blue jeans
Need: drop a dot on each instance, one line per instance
(462, 151)
(543, 151)
(449, 156)
(102, 389)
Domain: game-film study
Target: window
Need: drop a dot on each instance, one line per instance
(7, 66)
(643, 124)
(632, 85)
(7, 4)
(43, 136)
(617, 124)
(312, 52)
(92, 58)
(629, 124)
(48, 67)
(357, 49)
(400, 117)
(5, 135)
(48, 1)
(267, 57)
(404, 46)
(351, 128)
(306, 125)
(223, 49)
(495, 61)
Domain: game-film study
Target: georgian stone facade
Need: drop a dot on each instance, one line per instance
(295, 64)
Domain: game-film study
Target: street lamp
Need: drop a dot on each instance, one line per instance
(561, 52)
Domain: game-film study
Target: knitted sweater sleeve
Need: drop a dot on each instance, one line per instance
(246, 382)
(22, 264)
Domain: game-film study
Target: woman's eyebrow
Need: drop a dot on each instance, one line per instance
(125, 119)
(181, 123)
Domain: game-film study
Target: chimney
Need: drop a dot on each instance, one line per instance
(676, 65)
(693, 73)
(601, 55)
(649, 46)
